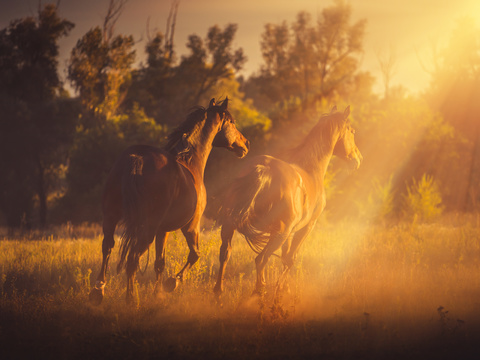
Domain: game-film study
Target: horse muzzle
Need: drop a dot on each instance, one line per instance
(241, 150)
(357, 161)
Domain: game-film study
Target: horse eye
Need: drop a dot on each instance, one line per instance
(229, 118)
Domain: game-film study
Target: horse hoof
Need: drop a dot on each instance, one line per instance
(217, 291)
(132, 302)
(159, 293)
(218, 299)
(258, 293)
(170, 284)
(96, 296)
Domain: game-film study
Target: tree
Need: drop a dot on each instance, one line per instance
(153, 85)
(338, 45)
(210, 60)
(34, 127)
(100, 67)
(423, 200)
(309, 61)
(162, 86)
(387, 62)
(92, 156)
(454, 91)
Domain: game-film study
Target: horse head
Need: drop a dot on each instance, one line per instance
(228, 136)
(345, 147)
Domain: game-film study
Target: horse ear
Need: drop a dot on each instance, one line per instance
(334, 109)
(224, 104)
(346, 112)
(212, 102)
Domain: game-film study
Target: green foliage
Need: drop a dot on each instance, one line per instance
(309, 65)
(423, 200)
(100, 70)
(401, 138)
(379, 205)
(28, 56)
(210, 60)
(167, 89)
(92, 156)
(247, 117)
(36, 123)
(309, 60)
(454, 92)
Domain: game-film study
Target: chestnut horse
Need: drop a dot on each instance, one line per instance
(275, 203)
(158, 190)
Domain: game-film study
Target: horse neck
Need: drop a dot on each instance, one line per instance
(317, 169)
(201, 140)
(314, 156)
(320, 168)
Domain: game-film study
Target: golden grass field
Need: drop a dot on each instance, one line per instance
(357, 291)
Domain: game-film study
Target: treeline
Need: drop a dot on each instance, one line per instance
(421, 153)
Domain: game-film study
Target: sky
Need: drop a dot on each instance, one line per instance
(405, 28)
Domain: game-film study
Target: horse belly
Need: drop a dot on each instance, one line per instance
(175, 219)
(179, 208)
(272, 213)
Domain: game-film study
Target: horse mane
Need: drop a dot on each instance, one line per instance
(178, 143)
(181, 140)
(317, 143)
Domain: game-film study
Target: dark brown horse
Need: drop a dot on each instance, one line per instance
(155, 191)
(275, 203)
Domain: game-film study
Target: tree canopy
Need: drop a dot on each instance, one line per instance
(56, 150)
(37, 122)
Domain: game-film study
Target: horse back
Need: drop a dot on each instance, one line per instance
(150, 182)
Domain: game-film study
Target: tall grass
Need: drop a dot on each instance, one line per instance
(423, 200)
(355, 289)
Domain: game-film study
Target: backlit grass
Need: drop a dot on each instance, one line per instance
(356, 290)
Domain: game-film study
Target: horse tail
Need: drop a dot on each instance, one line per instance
(131, 193)
(241, 200)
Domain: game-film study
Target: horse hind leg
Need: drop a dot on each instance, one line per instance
(275, 242)
(97, 293)
(289, 254)
(225, 252)
(160, 240)
(131, 268)
(133, 261)
(280, 287)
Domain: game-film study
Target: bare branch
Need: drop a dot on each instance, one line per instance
(387, 63)
(115, 9)
(149, 37)
(434, 54)
(170, 31)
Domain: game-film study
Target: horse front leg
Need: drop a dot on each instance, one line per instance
(191, 233)
(225, 252)
(192, 236)
(97, 293)
(160, 240)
